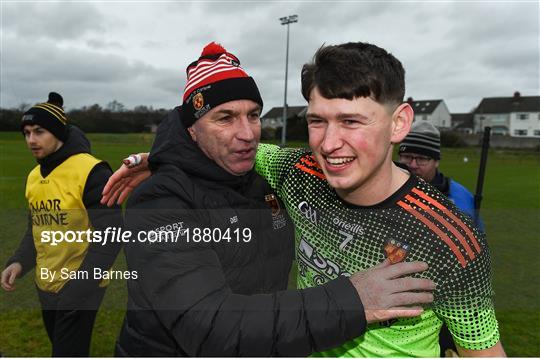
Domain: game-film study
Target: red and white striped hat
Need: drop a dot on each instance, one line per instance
(215, 78)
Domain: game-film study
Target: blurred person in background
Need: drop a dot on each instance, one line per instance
(63, 193)
(420, 151)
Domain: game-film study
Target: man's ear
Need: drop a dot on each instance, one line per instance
(402, 119)
(192, 133)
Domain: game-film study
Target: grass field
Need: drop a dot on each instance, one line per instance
(511, 212)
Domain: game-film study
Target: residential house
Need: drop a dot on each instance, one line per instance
(274, 117)
(272, 123)
(433, 111)
(517, 116)
(463, 122)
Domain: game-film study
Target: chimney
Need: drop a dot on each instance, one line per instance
(516, 99)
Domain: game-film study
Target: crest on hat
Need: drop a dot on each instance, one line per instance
(198, 101)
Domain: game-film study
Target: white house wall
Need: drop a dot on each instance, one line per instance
(494, 121)
(272, 122)
(441, 116)
(530, 125)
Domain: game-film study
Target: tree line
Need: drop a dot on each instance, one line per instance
(114, 118)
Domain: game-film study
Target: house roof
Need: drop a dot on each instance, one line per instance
(509, 104)
(277, 112)
(463, 120)
(424, 107)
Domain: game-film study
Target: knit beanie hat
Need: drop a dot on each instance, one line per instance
(56, 99)
(50, 117)
(215, 78)
(423, 139)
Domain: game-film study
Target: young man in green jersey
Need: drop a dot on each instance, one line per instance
(353, 207)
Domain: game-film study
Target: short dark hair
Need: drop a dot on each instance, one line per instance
(355, 69)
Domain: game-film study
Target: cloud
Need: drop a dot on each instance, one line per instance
(457, 51)
(103, 44)
(52, 20)
(84, 76)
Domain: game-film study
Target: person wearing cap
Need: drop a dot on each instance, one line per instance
(353, 207)
(219, 289)
(63, 193)
(420, 151)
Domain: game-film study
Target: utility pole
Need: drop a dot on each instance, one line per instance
(287, 20)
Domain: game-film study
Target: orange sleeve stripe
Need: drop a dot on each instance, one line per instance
(437, 231)
(309, 163)
(441, 219)
(452, 216)
(310, 171)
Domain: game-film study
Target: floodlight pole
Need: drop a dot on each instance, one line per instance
(287, 20)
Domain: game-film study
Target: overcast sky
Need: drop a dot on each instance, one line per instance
(136, 52)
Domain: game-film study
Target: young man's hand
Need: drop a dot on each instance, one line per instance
(123, 181)
(386, 295)
(9, 275)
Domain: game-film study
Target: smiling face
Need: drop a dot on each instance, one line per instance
(229, 135)
(352, 141)
(40, 141)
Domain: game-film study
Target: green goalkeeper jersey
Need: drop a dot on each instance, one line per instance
(417, 223)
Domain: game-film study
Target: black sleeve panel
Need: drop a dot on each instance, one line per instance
(186, 286)
(98, 255)
(26, 252)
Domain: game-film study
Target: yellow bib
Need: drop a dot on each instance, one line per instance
(56, 204)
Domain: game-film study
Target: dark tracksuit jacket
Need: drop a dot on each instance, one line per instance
(226, 298)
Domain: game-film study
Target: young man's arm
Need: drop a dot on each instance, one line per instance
(22, 261)
(495, 351)
(26, 252)
(101, 217)
(98, 255)
(467, 308)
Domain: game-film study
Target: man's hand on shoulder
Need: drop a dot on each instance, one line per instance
(386, 295)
